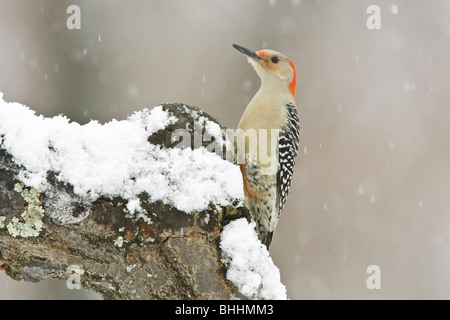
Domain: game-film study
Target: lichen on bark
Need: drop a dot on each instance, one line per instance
(161, 253)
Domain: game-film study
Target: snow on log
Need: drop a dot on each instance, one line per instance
(136, 206)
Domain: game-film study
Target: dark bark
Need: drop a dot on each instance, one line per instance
(168, 254)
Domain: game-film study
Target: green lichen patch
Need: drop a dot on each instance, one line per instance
(145, 217)
(118, 242)
(2, 222)
(30, 222)
(18, 187)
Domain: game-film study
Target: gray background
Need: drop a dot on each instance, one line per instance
(372, 178)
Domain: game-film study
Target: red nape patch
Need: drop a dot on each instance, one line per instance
(293, 84)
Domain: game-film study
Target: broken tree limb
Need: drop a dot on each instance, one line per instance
(162, 253)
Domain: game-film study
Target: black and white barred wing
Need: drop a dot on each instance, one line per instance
(287, 153)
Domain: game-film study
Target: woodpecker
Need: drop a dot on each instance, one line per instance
(272, 117)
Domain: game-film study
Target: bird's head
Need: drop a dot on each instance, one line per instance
(272, 67)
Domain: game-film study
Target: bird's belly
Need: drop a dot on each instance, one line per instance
(260, 195)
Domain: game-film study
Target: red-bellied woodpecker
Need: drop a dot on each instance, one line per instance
(268, 135)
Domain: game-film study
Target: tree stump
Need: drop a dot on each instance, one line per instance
(163, 254)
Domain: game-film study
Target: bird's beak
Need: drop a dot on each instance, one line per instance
(249, 53)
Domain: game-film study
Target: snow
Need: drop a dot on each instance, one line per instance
(133, 91)
(115, 159)
(249, 265)
(360, 190)
(212, 130)
(134, 205)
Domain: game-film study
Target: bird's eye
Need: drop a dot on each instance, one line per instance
(275, 59)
